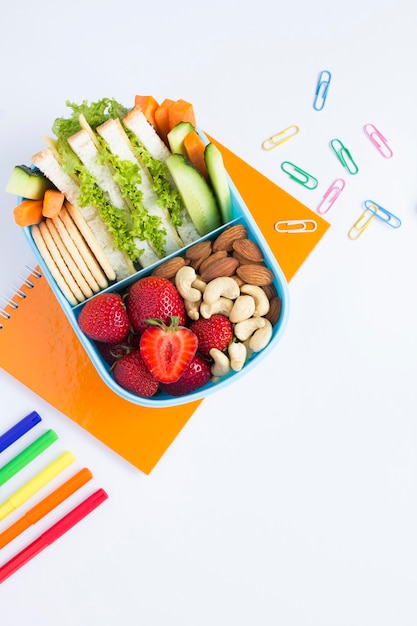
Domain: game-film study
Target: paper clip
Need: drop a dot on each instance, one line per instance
(384, 215)
(295, 226)
(321, 90)
(305, 179)
(378, 140)
(331, 195)
(281, 137)
(344, 156)
(361, 224)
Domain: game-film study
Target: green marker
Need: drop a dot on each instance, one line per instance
(27, 455)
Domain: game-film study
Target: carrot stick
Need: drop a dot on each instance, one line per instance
(53, 201)
(194, 147)
(28, 212)
(148, 105)
(162, 119)
(181, 111)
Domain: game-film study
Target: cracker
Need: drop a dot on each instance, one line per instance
(51, 265)
(89, 260)
(91, 241)
(68, 260)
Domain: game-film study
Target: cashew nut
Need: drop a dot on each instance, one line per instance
(222, 306)
(199, 284)
(237, 353)
(243, 309)
(193, 308)
(221, 363)
(260, 297)
(261, 337)
(184, 278)
(221, 286)
(243, 330)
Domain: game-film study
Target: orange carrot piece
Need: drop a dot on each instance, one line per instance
(181, 111)
(148, 105)
(194, 146)
(28, 212)
(162, 119)
(53, 201)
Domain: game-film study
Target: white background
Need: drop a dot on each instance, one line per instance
(290, 498)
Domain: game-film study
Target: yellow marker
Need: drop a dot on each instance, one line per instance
(35, 484)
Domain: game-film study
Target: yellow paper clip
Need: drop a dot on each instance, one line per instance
(299, 175)
(295, 226)
(331, 195)
(281, 137)
(383, 214)
(361, 224)
(378, 140)
(344, 156)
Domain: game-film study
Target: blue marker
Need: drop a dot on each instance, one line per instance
(19, 429)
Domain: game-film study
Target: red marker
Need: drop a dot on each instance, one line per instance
(53, 533)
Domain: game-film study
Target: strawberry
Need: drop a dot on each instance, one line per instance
(154, 297)
(131, 373)
(195, 376)
(167, 350)
(214, 332)
(104, 318)
(111, 352)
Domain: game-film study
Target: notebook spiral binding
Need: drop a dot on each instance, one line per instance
(11, 303)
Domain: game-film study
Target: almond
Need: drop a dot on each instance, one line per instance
(243, 260)
(199, 250)
(248, 249)
(222, 267)
(169, 268)
(255, 274)
(225, 240)
(220, 254)
(274, 310)
(270, 291)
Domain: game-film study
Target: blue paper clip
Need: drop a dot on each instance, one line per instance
(344, 156)
(384, 215)
(305, 179)
(321, 90)
(331, 195)
(378, 140)
(281, 137)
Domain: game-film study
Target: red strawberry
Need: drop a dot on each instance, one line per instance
(195, 376)
(167, 350)
(214, 332)
(131, 373)
(154, 297)
(104, 318)
(111, 352)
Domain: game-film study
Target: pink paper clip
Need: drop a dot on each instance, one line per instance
(331, 195)
(378, 140)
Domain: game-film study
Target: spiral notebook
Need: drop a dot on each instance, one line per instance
(39, 348)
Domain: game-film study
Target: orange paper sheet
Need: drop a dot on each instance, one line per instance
(39, 348)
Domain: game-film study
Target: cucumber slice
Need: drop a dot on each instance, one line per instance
(218, 179)
(176, 137)
(27, 183)
(196, 194)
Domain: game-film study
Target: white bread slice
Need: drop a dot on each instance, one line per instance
(118, 142)
(136, 122)
(87, 151)
(114, 262)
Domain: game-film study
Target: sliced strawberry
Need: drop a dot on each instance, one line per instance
(131, 373)
(167, 350)
(196, 375)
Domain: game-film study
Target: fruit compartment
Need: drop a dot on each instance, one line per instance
(240, 215)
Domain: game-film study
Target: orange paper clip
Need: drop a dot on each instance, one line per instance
(295, 226)
(378, 140)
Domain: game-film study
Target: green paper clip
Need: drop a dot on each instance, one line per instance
(299, 175)
(344, 156)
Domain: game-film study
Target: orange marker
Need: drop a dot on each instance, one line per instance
(45, 506)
